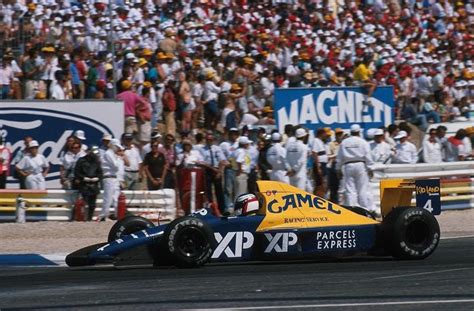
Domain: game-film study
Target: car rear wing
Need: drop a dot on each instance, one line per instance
(399, 192)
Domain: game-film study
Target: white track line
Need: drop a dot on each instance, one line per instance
(356, 304)
(422, 273)
(457, 237)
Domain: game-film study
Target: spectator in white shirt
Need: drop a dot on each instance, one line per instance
(381, 151)
(6, 77)
(34, 167)
(406, 152)
(432, 151)
(211, 92)
(189, 156)
(59, 90)
(68, 164)
(132, 166)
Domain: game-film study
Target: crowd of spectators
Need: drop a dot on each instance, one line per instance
(215, 64)
(196, 68)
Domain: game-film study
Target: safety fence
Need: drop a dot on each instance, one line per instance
(457, 182)
(59, 204)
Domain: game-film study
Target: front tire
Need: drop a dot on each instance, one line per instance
(128, 225)
(188, 242)
(410, 233)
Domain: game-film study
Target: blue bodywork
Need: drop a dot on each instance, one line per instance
(237, 239)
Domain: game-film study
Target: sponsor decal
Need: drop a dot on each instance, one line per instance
(300, 200)
(51, 123)
(428, 195)
(232, 244)
(280, 242)
(333, 107)
(295, 220)
(336, 239)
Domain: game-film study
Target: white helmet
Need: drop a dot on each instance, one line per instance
(245, 204)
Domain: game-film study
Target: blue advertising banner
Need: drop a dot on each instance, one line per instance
(50, 123)
(333, 107)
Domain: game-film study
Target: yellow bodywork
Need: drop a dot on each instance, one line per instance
(395, 193)
(287, 207)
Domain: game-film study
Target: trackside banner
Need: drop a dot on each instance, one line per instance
(332, 107)
(50, 123)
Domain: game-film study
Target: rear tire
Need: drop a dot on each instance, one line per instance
(188, 242)
(410, 233)
(128, 225)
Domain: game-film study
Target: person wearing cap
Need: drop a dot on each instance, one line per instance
(5, 158)
(228, 147)
(432, 149)
(276, 157)
(131, 101)
(405, 151)
(80, 135)
(319, 153)
(210, 95)
(297, 157)
(267, 117)
(106, 138)
(132, 174)
(381, 151)
(68, 162)
(111, 162)
(34, 167)
(354, 163)
(243, 159)
(214, 161)
(333, 179)
(87, 175)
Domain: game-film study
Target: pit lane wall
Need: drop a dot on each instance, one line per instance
(457, 181)
(51, 122)
(59, 204)
(333, 107)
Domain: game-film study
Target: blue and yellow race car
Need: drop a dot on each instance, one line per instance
(280, 222)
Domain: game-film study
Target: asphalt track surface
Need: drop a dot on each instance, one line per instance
(442, 282)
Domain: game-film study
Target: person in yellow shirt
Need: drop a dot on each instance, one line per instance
(363, 77)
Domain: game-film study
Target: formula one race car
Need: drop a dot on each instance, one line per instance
(287, 224)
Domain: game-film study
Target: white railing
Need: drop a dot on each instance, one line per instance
(457, 184)
(58, 204)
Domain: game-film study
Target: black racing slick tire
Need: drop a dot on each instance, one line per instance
(410, 233)
(188, 242)
(128, 225)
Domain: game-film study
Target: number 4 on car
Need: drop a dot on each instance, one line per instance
(280, 222)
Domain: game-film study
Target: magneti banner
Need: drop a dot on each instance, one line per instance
(50, 123)
(332, 107)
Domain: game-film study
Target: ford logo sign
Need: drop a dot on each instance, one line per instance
(50, 128)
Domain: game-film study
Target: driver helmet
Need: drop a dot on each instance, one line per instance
(246, 204)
